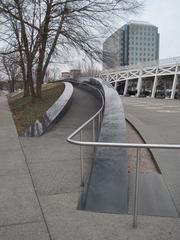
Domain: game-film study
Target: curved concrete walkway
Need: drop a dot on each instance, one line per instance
(39, 189)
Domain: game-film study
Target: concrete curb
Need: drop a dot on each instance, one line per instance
(142, 130)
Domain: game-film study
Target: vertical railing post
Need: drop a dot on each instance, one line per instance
(136, 188)
(81, 159)
(101, 115)
(93, 130)
(99, 121)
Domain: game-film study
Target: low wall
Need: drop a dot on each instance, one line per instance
(107, 186)
(52, 114)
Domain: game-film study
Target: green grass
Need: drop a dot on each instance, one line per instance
(25, 112)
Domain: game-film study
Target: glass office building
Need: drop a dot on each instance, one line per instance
(134, 43)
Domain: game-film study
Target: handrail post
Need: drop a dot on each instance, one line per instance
(138, 157)
(99, 121)
(93, 130)
(82, 160)
(101, 115)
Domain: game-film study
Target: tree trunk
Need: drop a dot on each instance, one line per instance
(26, 89)
(31, 85)
(39, 75)
(13, 85)
(30, 80)
(38, 88)
(10, 86)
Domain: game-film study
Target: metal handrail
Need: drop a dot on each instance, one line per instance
(138, 146)
(69, 139)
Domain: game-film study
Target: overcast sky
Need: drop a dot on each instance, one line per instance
(165, 14)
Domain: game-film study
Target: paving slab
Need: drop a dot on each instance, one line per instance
(12, 164)
(26, 231)
(67, 223)
(57, 176)
(18, 202)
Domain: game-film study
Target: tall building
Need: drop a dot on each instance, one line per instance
(135, 42)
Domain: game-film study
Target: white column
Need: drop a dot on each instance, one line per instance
(173, 91)
(139, 84)
(115, 85)
(154, 86)
(107, 77)
(126, 87)
(155, 83)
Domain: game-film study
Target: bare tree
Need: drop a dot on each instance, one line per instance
(11, 68)
(39, 29)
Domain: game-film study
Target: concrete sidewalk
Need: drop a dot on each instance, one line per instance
(39, 191)
(20, 213)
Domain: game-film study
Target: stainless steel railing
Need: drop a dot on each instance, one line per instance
(96, 121)
(81, 143)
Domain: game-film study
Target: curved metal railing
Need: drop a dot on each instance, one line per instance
(94, 143)
(98, 115)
